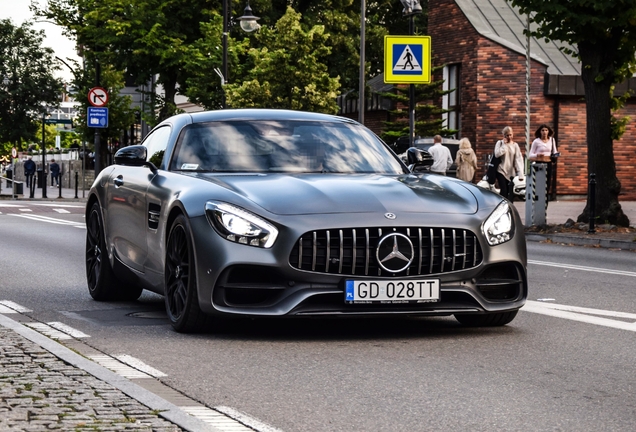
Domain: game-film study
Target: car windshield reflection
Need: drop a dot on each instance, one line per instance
(282, 147)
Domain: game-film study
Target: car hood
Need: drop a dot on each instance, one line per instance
(346, 193)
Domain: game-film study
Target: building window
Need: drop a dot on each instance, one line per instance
(451, 101)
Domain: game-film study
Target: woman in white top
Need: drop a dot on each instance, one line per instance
(544, 144)
(511, 161)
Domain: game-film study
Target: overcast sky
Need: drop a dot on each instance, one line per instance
(18, 11)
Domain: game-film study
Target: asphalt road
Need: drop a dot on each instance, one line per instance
(565, 362)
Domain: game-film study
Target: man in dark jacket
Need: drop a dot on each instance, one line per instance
(29, 170)
(55, 172)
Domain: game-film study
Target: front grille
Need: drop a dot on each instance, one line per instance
(352, 251)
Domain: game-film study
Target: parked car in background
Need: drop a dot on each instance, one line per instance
(271, 213)
(402, 144)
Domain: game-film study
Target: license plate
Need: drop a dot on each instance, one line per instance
(388, 291)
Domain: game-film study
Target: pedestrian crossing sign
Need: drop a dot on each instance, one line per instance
(407, 59)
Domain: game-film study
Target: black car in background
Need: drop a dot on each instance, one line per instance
(401, 145)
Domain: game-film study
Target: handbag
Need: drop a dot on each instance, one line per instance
(491, 173)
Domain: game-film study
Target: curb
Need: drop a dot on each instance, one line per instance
(167, 410)
(583, 241)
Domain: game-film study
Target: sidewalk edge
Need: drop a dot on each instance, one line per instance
(167, 410)
(582, 241)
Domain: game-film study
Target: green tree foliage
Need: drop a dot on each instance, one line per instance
(27, 83)
(289, 70)
(603, 34)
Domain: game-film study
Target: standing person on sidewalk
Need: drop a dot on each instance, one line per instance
(55, 172)
(511, 161)
(442, 159)
(29, 170)
(466, 161)
(544, 147)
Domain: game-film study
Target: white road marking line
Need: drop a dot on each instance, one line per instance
(139, 365)
(25, 210)
(219, 421)
(574, 313)
(61, 210)
(16, 307)
(46, 330)
(48, 219)
(11, 205)
(118, 367)
(247, 420)
(6, 310)
(58, 205)
(583, 268)
(68, 330)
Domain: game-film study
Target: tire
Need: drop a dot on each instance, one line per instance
(487, 319)
(182, 303)
(103, 285)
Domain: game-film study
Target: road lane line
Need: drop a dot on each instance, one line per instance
(68, 330)
(14, 306)
(49, 331)
(247, 420)
(217, 420)
(48, 219)
(118, 367)
(583, 268)
(61, 210)
(139, 365)
(566, 312)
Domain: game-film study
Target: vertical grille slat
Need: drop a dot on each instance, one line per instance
(436, 250)
(341, 257)
(354, 256)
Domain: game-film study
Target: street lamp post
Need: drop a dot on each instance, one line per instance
(248, 23)
(411, 8)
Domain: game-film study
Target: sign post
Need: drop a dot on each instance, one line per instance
(97, 117)
(407, 60)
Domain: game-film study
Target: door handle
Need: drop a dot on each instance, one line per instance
(119, 181)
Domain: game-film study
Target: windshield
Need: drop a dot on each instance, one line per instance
(282, 146)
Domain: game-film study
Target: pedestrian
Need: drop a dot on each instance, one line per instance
(442, 159)
(29, 170)
(511, 161)
(543, 149)
(55, 172)
(466, 161)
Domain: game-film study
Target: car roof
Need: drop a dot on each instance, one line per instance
(263, 114)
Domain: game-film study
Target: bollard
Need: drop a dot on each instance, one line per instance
(59, 185)
(592, 192)
(76, 183)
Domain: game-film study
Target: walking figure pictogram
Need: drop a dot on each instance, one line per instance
(409, 58)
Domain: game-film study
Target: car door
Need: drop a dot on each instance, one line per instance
(127, 214)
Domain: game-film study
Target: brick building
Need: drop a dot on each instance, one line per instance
(482, 44)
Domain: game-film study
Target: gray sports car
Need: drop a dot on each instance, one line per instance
(273, 213)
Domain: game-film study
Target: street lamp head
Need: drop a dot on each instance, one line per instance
(411, 7)
(248, 20)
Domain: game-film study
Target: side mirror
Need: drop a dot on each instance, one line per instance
(134, 155)
(418, 160)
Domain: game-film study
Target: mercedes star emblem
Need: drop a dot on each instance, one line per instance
(390, 216)
(395, 252)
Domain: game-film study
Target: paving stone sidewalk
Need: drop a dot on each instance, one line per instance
(39, 392)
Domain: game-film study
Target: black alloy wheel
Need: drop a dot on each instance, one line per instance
(102, 282)
(99, 274)
(182, 304)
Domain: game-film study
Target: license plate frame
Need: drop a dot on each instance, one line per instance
(379, 291)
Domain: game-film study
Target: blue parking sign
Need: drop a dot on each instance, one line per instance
(97, 117)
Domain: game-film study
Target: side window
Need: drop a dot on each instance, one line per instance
(156, 144)
(451, 101)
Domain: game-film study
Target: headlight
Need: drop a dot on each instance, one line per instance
(240, 226)
(499, 227)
